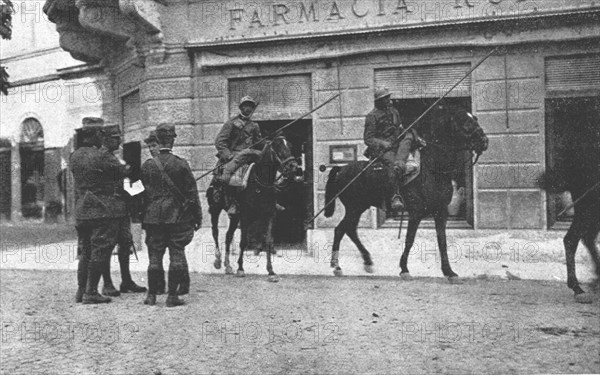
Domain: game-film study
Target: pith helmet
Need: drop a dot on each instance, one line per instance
(92, 122)
(382, 92)
(165, 130)
(151, 138)
(247, 99)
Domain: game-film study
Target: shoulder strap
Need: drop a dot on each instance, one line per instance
(176, 192)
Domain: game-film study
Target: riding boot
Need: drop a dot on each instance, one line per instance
(91, 295)
(184, 286)
(82, 275)
(160, 282)
(175, 278)
(109, 288)
(153, 280)
(127, 284)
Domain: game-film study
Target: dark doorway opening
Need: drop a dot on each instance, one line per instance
(461, 206)
(571, 123)
(5, 180)
(31, 151)
(297, 198)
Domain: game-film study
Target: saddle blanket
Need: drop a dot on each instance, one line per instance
(241, 176)
(413, 166)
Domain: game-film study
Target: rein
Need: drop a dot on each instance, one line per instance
(282, 163)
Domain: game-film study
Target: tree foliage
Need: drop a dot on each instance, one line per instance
(6, 12)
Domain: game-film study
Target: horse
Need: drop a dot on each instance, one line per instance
(257, 205)
(449, 132)
(577, 169)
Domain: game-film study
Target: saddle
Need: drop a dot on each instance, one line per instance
(413, 164)
(241, 176)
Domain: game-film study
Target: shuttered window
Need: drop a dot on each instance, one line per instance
(281, 98)
(429, 81)
(581, 72)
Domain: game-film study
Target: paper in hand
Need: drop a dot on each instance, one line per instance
(133, 189)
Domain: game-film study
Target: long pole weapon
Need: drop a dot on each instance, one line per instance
(403, 133)
(578, 199)
(279, 131)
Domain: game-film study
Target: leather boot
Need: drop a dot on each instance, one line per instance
(175, 279)
(91, 295)
(82, 275)
(109, 288)
(127, 284)
(161, 284)
(152, 286)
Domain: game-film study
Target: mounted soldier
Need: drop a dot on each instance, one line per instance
(383, 126)
(238, 143)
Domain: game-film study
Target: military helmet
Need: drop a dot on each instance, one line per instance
(247, 99)
(382, 92)
(167, 130)
(92, 122)
(151, 138)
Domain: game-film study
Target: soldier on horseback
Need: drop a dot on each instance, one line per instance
(238, 143)
(383, 126)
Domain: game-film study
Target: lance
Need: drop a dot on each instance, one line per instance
(279, 131)
(578, 199)
(372, 161)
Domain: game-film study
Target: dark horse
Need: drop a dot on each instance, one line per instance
(449, 132)
(577, 169)
(257, 205)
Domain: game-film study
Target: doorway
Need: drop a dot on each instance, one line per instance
(296, 198)
(31, 151)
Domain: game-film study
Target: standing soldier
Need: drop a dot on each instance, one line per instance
(233, 146)
(383, 126)
(110, 143)
(172, 213)
(152, 143)
(96, 209)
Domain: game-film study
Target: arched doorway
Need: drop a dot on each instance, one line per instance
(31, 150)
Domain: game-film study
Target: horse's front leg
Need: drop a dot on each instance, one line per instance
(413, 224)
(233, 224)
(440, 229)
(214, 218)
(243, 245)
(339, 233)
(268, 247)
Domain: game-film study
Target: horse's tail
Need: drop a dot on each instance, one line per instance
(331, 190)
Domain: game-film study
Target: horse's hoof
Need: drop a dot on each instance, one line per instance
(338, 272)
(273, 278)
(240, 273)
(455, 280)
(229, 270)
(217, 264)
(369, 268)
(584, 298)
(405, 276)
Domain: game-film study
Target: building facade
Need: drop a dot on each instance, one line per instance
(189, 63)
(50, 93)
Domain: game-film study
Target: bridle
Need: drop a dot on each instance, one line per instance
(283, 163)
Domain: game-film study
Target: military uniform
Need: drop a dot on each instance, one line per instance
(169, 222)
(98, 207)
(124, 237)
(383, 126)
(238, 143)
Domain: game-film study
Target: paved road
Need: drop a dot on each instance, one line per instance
(301, 325)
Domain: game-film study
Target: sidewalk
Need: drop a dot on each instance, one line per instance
(473, 254)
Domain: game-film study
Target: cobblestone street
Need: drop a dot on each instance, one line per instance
(304, 324)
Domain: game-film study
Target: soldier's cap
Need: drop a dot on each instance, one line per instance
(151, 138)
(92, 122)
(165, 130)
(382, 92)
(111, 131)
(247, 99)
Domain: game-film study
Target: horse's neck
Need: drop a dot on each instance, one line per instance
(265, 169)
(436, 160)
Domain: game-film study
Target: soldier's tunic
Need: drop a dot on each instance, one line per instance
(167, 222)
(237, 134)
(384, 125)
(98, 207)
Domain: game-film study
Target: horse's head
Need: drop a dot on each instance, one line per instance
(282, 153)
(467, 132)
